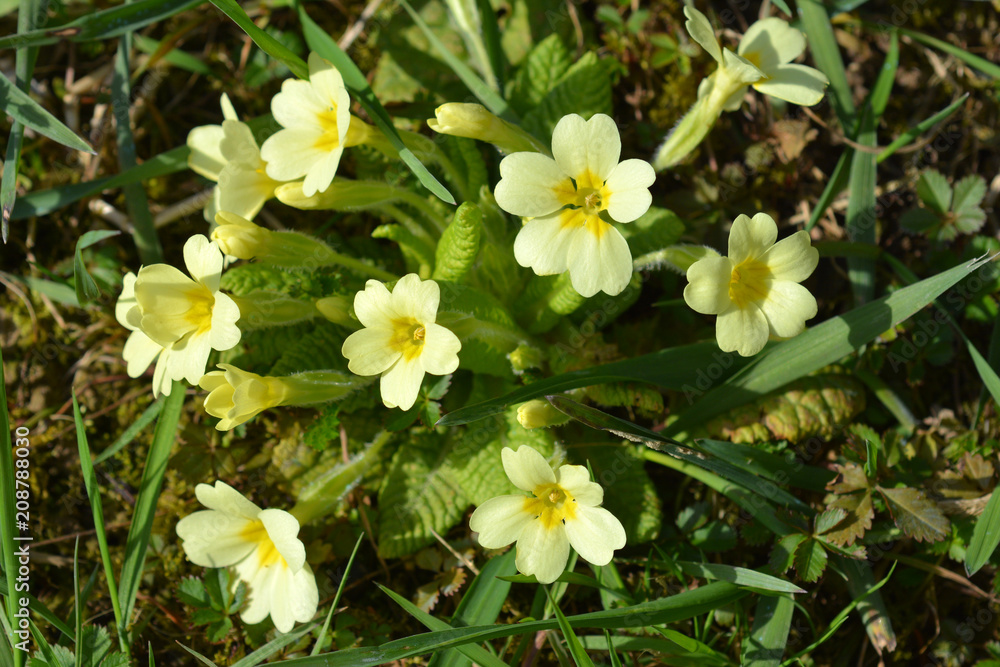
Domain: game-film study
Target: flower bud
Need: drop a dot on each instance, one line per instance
(539, 413)
(474, 121)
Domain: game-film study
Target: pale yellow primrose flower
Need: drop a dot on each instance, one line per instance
(228, 154)
(189, 315)
(755, 291)
(264, 548)
(140, 350)
(318, 126)
(565, 197)
(400, 340)
(236, 396)
(562, 512)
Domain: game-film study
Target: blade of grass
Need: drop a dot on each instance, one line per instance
(18, 105)
(769, 637)
(40, 609)
(480, 605)
(985, 536)
(821, 345)
(921, 127)
(491, 40)
(128, 435)
(663, 610)
(576, 649)
(86, 288)
(145, 504)
(143, 232)
(357, 85)
(834, 186)
(336, 598)
(94, 493)
(489, 97)
(767, 465)
(475, 653)
(673, 368)
(272, 647)
(103, 24)
(268, 44)
(7, 484)
(612, 653)
(740, 576)
(77, 607)
(176, 57)
(823, 45)
(972, 60)
(993, 360)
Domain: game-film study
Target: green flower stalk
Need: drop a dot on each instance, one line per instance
(240, 238)
(266, 308)
(762, 60)
(235, 396)
(474, 121)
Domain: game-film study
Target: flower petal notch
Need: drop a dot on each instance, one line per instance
(400, 340)
(568, 197)
(562, 511)
(755, 291)
(263, 547)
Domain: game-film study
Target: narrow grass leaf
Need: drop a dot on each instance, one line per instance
(664, 610)
(268, 44)
(94, 493)
(740, 576)
(612, 653)
(819, 346)
(921, 127)
(769, 466)
(576, 649)
(128, 435)
(673, 368)
(767, 641)
(336, 598)
(18, 105)
(985, 536)
(86, 288)
(861, 211)
(175, 57)
(475, 653)
(198, 656)
(480, 605)
(357, 84)
(972, 60)
(143, 231)
(149, 493)
(879, 97)
(567, 577)
(835, 184)
(39, 608)
(103, 24)
(823, 45)
(489, 97)
(272, 647)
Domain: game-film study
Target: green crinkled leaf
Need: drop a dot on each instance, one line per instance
(654, 230)
(64, 658)
(96, 645)
(245, 278)
(319, 349)
(585, 89)
(326, 429)
(486, 329)
(969, 193)
(418, 253)
(629, 493)
(917, 515)
(192, 592)
(643, 398)
(809, 407)
(545, 300)
(467, 158)
(117, 659)
(474, 460)
(459, 244)
(934, 191)
(417, 496)
(810, 560)
(539, 73)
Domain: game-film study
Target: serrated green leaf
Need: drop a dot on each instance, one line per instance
(828, 519)
(456, 251)
(95, 644)
(810, 560)
(815, 406)
(192, 592)
(417, 496)
(783, 554)
(916, 514)
(217, 631)
(970, 220)
(116, 660)
(538, 74)
(934, 191)
(860, 512)
(968, 193)
(63, 658)
(585, 89)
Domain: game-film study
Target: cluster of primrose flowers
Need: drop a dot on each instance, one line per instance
(570, 198)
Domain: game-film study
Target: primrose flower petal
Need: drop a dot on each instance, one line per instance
(566, 196)
(771, 42)
(793, 83)
(561, 512)
(755, 291)
(400, 341)
(262, 546)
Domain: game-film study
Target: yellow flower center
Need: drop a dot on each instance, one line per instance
(199, 314)
(408, 337)
(330, 139)
(267, 553)
(749, 283)
(552, 504)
